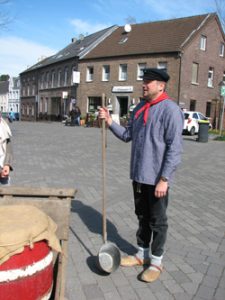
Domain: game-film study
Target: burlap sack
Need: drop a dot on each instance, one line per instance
(23, 225)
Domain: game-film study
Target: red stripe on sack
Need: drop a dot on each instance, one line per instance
(32, 287)
(27, 257)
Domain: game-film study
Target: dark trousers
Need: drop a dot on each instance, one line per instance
(151, 214)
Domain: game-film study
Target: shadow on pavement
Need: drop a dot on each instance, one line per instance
(93, 220)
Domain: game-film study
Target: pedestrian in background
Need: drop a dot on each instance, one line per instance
(5, 151)
(155, 129)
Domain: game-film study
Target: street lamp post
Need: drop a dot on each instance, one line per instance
(222, 94)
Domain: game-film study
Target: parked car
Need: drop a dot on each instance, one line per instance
(191, 121)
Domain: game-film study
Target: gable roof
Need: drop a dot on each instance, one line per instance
(77, 48)
(148, 38)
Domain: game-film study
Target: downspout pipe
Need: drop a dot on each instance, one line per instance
(179, 78)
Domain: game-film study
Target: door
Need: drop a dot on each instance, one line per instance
(123, 105)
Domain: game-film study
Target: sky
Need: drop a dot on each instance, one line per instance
(37, 29)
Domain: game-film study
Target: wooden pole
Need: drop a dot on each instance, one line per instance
(104, 174)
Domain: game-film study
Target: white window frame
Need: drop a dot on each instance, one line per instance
(59, 78)
(53, 79)
(203, 41)
(222, 49)
(210, 77)
(90, 73)
(162, 65)
(66, 76)
(105, 73)
(123, 72)
(194, 73)
(140, 68)
(47, 80)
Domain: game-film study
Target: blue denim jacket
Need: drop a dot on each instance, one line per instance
(157, 146)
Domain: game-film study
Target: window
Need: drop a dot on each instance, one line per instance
(90, 74)
(42, 80)
(222, 49)
(93, 103)
(210, 77)
(46, 105)
(41, 105)
(140, 69)
(66, 76)
(194, 76)
(224, 76)
(59, 78)
(203, 43)
(47, 80)
(123, 72)
(192, 105)
(162, 65)
(105, 73)
(53, 78)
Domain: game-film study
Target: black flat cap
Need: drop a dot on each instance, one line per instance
(155, 74)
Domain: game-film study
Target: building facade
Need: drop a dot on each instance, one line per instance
(49, 88)
(190, 49)
(110, 63)
(10, 95)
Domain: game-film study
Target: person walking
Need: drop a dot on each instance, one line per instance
(5, 152)
(155, 129)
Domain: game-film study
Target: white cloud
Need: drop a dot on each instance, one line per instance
(16, 54)
(83, 27)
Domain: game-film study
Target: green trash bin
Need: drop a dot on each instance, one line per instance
(203, 131)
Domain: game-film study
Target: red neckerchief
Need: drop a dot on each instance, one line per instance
(147, 106)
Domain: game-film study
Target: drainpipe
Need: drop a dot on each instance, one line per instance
(179, 79)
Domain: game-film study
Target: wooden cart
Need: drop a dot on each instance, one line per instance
(57, 204)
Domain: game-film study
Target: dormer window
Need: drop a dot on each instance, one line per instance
(123, 40)
(203, 43)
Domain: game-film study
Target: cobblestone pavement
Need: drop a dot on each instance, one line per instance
(52, 155)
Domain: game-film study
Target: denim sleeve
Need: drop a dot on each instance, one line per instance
(174, 142)
(123, 133)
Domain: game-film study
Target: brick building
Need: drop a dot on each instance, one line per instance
(191, 50)
(49, 88)
(10, 95)
(111, 61)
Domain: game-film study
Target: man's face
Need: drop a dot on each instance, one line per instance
(152, 89)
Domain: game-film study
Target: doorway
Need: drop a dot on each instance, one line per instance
(123, 105)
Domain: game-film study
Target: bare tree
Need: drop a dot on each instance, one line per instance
(220, 9)
(4, 15)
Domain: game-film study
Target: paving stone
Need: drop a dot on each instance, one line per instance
(57, 156)
(205, 292)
